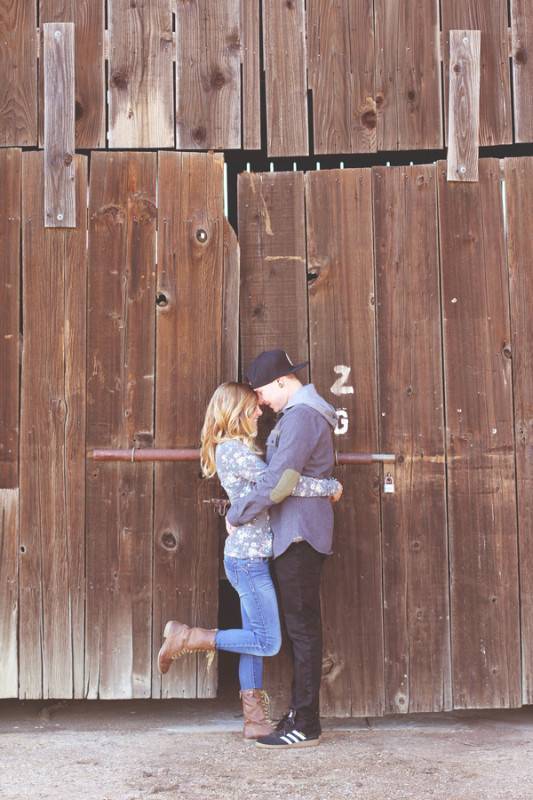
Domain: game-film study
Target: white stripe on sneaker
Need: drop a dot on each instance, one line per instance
(286, 740)
(300, 735)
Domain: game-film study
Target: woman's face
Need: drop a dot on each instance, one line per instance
(256, 414)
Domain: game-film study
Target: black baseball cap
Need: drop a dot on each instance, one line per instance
(269, 365)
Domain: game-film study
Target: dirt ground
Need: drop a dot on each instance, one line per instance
(181, 749)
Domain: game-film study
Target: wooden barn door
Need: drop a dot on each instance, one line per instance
(128, 324)
(394, 284)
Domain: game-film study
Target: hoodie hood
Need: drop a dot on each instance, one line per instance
(309, 396)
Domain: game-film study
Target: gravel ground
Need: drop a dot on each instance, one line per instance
(180, 749)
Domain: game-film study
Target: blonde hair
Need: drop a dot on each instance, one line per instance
(229, 415)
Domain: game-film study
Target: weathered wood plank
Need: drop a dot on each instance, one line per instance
(52, 443)
(141, 95)
(463, 105)
(495, 97)
(230, 300)
(189, 363)
(10, 180)
(59, 143)
(480, 443)
(18, 68)
(411, 404)
(272, 239)
(251, 76)
(341, 75)
(90, 111)
(285, 62)
(208, 81)
(519, 191)
(9, 506)
(408, 80)
(273, 309)
(120, 400)
(522, 61)
(343, 368)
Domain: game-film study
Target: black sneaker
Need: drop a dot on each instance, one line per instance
(286, 723)
(289, 739)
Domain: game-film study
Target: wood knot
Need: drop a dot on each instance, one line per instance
(258, 311)
(411, 95)
(456, 68)
(169, 541)
(199, 134)
(521, 56)
(379, 100)
(369, 119)
(233, 40)
(119, 81)
(67, 159)
(217, 79)
(78, 110)
(289, 4)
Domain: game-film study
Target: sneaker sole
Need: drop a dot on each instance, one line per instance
(308, 743)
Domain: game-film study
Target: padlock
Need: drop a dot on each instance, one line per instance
(388, 486)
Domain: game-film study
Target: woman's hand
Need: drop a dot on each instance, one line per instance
(338, 494)
(231, 528)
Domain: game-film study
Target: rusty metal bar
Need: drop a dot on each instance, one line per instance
(136, 454)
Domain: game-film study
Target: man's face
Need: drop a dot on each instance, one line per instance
(274, 395)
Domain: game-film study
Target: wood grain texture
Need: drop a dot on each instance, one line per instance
(230, 304)
(495, 96)
(482, 512)
(411, 404)
(18, 68)
(273, 311)
(463, 105)
(519, 191)
(9, 506)
(273, 306)
(189, 368)
(285, 62)
(342, 334)
(141, 95)
(341, 75)
(10, 180)
(408, 76)
(90, 103)
(208, 81)
(251, 74)
(120, 402)
(59, 144)
(52, 443)
(522, 65)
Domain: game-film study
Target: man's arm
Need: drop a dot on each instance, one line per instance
(297, 441)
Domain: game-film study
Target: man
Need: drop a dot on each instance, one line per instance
(301, 443)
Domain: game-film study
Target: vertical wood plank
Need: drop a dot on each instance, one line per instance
(495, 96)
(18, 68)
(90, 104)
(208, 81)
(10, 179)
(285, 59)
(52, 443)
(411, 405)
(341, 75)
(408, 80)
(343, 368)
(141, 96)
(120, 400)
(272, 238)
(59, 144)
(480, 444)
(519, 191)
(189, 363)
(230, 309)
(522, 47)
(251, 76)
(9, 506)
(463, 105)
(273, 308)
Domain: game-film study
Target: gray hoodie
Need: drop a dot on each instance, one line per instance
(301, 443)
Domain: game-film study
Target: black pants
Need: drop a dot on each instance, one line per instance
(297, 573)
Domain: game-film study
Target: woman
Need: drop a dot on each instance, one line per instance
(229, 449)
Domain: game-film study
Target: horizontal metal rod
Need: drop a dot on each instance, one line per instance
(155, 454)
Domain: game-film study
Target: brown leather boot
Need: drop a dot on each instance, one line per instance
(255, 710)
(180, 639)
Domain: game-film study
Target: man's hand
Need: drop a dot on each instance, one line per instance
(231, 528)
(337, 496)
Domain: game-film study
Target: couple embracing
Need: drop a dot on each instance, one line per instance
(280, 520)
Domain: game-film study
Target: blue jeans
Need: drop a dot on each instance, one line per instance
(261, 633)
